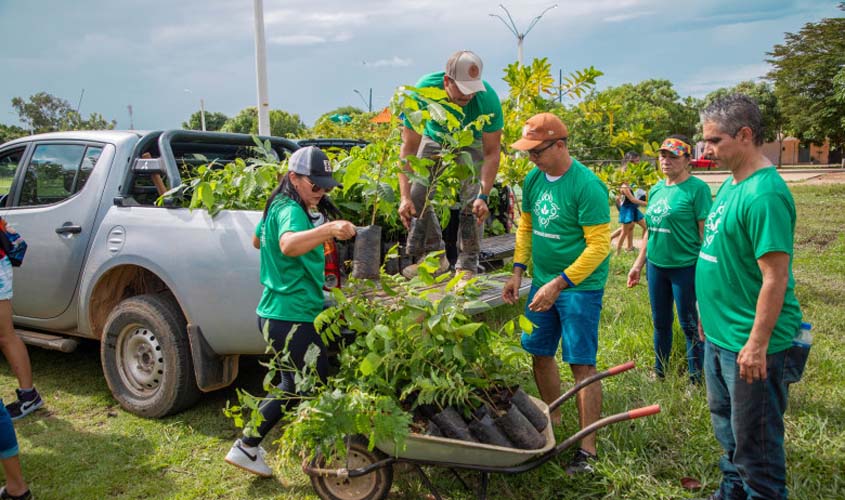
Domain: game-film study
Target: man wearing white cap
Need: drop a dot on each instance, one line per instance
(464, 87)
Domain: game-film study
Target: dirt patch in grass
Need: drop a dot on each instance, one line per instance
(818, 241)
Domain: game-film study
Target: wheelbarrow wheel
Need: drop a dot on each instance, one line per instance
(372, 486)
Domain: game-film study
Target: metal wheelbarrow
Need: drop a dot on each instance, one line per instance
(368, 474)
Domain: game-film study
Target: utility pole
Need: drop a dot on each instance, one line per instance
(202, 113)
(79, 102)
(511, 26)
(261, 70)
(131, 123)
(366, 103)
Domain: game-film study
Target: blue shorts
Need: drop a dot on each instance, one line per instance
(5, 279)
(628, 214)
(8, 439)
(572, 323)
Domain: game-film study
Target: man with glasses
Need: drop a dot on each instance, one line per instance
(565, 232)
(463, 85)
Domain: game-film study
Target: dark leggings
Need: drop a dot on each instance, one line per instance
(304, 335)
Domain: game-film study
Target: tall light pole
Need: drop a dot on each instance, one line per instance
(520, 37)
(131, 122)
(261, 70)
(369, 104)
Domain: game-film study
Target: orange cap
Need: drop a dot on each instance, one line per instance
(539, 129)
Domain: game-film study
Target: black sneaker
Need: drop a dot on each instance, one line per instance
(581, 462)
(27, 403)
(27, 495)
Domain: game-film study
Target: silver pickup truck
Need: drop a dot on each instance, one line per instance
(170, 293)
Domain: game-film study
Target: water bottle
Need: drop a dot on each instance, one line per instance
(796, 356)
(804, 337)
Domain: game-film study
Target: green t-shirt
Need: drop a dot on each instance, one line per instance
(293, 286)
(482, 103)
(747, 220)
(559, 211)
(672, 218)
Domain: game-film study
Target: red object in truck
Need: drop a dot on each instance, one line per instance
(702, 163)
(332, 268)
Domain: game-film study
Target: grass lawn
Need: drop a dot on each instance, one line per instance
(82, 445)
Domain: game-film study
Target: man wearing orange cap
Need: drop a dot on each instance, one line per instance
(464, 87)
(565, 231)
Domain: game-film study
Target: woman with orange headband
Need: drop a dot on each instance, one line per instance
(677, 208)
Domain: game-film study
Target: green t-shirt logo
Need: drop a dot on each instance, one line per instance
(546, 209)
(712, 225)
(659, 211)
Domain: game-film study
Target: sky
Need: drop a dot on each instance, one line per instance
(163, 56)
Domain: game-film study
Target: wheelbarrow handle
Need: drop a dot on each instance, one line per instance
(589, 380)
(644, 411)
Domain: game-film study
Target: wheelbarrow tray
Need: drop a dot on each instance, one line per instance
(441, 449)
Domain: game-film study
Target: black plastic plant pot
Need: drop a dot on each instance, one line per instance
(367, 256)
(452, 425)
(519, 430)
(416, 237)
(529, 409)
(487, 432)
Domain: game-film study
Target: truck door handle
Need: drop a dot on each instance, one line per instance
(68, 228)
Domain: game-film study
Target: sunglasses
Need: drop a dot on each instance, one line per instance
(537, 152)
(315, 188)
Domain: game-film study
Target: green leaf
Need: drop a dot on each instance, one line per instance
(526, 324)
(369, 364)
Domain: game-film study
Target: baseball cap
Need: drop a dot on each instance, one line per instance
(539, 129)
(312, 162)
(675, 146)
(464, 67)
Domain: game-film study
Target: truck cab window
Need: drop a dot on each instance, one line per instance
(56, 172)
(9, 161)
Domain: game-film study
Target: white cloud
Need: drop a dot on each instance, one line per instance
(394, 62)
(706, 81)
(628, 16)
(298, 40)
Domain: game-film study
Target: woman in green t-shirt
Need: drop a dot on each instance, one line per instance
(677, 208)
(292, 272)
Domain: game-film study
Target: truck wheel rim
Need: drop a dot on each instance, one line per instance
(140, 360)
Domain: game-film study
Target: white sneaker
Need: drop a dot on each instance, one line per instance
(249, 458)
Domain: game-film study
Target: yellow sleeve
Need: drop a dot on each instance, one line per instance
(598, 248)
(522, 252)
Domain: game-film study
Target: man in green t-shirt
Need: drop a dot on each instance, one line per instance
(463, 84)
(749, 313)
(565, 232)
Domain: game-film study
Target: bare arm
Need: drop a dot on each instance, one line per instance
(491, 150)
(256, 242)
(626, 191)
(635, 274)
(410, 145)
(701, 230)
(296, 243)
(774, 267)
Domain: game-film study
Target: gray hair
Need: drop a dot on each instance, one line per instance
(731, 113)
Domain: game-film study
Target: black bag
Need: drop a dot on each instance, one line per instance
(12, 244)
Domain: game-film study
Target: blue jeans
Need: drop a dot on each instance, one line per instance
(665, 286)
(748, 423)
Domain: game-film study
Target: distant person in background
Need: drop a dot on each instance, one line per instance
(677, 208)
(625, 201)
(28, 400)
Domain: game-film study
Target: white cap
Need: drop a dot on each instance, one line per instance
(464, 67)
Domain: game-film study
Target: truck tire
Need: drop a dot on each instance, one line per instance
(146, 356)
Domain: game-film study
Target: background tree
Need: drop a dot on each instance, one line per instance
(213, 121)
(44, 112)
(359, 127)
(764, 94)
(806, 66)
(282, 123)
(9, 132)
